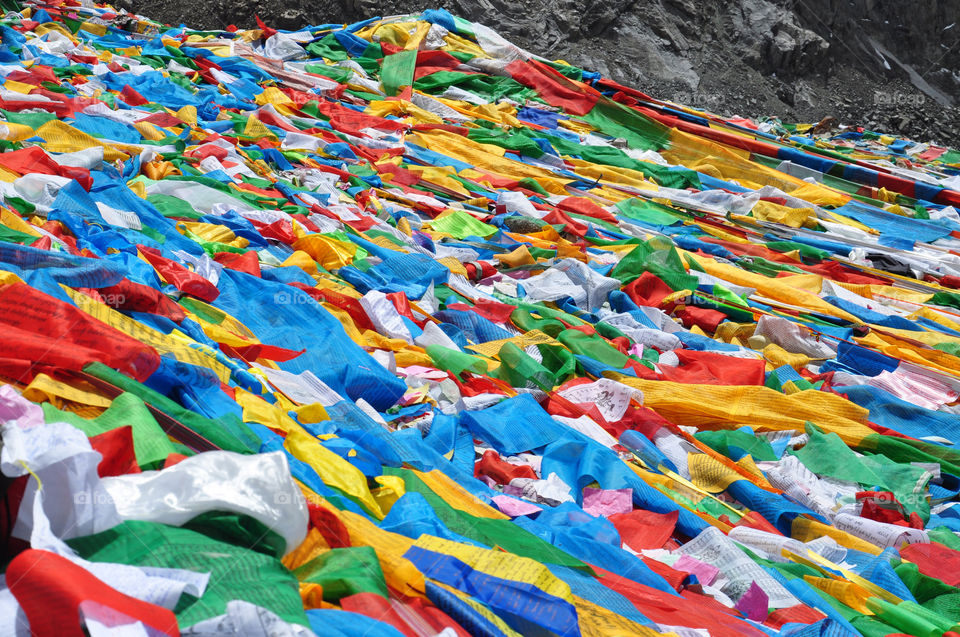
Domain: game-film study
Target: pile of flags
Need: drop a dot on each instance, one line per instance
(395, 328)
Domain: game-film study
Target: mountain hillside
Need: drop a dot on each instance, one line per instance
(886, 65)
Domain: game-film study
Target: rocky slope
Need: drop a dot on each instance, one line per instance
(892, 66)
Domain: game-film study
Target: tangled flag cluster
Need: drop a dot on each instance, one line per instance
(397, 329)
